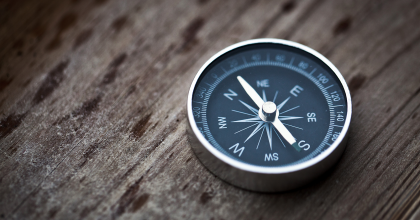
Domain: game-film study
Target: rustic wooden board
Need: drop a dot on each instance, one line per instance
(93, 96)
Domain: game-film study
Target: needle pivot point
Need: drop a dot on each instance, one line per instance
(268, 112)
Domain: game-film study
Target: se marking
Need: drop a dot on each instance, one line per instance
(311, 117)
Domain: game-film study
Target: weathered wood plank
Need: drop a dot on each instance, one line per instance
(93, 112)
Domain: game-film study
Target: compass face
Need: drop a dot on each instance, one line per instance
(304, 93)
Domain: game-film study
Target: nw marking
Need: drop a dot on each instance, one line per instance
(222, 122)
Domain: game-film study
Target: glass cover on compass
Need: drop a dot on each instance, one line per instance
(308, 95)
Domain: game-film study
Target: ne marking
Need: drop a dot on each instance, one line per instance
(312, 71)
(263, 83)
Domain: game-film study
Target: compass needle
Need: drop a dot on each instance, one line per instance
(251, 92)
(285, 133)
(268, 115)
(261, 102)
(279, 138)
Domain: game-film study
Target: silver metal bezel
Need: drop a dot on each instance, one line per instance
(260, 169)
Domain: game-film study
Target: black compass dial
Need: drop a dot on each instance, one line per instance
(307, 95)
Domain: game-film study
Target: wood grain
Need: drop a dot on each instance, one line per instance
(93, 94)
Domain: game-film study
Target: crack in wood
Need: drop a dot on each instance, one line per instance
(51, 82)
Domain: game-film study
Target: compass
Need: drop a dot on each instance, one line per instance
(268, 115)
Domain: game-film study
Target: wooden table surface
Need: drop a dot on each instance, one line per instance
(93, 108)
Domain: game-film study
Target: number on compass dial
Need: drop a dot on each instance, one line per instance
(269, 106)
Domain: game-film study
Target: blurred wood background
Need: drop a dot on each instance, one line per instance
(93, 107)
